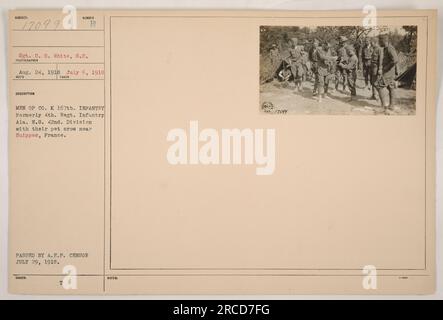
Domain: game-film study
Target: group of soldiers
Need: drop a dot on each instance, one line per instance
(376, 58)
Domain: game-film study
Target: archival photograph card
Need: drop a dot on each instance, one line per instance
(222, 152)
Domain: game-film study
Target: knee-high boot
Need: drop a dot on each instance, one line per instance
(383, 93)
(392, 97)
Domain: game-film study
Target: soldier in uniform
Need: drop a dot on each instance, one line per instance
(342, 57)
(274, 54)
(306, 64)
(323, 56)
(285, 73)
(295, 60)
(313, 58)
(350, 67)
(386, 74)
(366, 58)
(359, 44)
(376, 59)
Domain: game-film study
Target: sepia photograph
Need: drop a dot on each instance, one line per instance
(286, 149)
(343, 70)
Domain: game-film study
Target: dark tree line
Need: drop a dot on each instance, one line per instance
(405, 42)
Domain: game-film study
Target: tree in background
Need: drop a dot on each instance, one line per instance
(405, 41)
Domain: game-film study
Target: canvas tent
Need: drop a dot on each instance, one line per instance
(407, 78)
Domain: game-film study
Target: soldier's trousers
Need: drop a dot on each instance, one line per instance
(322, 83)
(388, 95)
(387, 92)
(297, 72)
(340, 73)
(314, 71)
(392, 95)
(367, 72)
(374, 76)
(352, 79)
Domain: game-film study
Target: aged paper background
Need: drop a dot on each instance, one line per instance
(298, 220)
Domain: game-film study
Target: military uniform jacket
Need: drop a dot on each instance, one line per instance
(389, 61)
(295, 54)
(342, 56)
(351, 65)
(366, 54)
(313, 54)
(323, 60)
